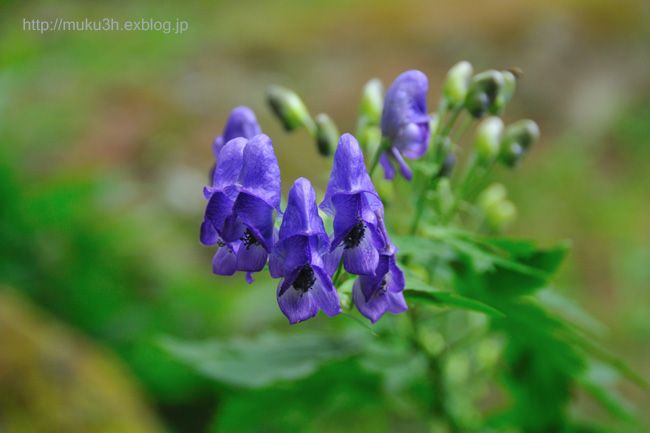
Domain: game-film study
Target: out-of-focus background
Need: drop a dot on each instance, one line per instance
(105, 146)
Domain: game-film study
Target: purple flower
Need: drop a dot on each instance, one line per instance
(352, 200)
(405, 122)
(298, 259)
(375, 294)
(241, 123)
(239, 215)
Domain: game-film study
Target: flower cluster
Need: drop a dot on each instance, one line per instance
(244, 198)
(243, 217)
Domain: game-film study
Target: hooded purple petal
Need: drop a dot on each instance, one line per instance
(375, 294)
(301, 215)
(241, 123)
(349, 175)
(217, 211)
(224, 261)
(257, 216)
(296, 306)
(304, 291)
(325, 294)
(208, 235)
(405, 121)
(260, 173)
(298, 258)
(389, 170)
(242, 199)
(251, 257)
(362, 258)
(227, 171)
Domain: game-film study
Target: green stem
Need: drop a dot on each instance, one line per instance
(432, 180)
(435, 375)
(375, 158)
(337, 274)
(463, 183)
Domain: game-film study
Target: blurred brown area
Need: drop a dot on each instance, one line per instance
(54, 380)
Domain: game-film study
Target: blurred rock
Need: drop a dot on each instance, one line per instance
(54, 380)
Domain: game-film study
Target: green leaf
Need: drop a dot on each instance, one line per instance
(571, 312)
(419, 291)
(613, 361)
(599, 382)
(422, 250)
(452, 300)
(265, 359)
(509, 267)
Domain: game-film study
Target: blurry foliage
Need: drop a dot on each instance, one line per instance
(53, 380)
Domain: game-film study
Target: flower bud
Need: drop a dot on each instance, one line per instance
(483, 91)
(501, 215)
(289, 108)
(370, 139)
(505, 93)
(492, 195)
(372, 102)
(457, 83)
(517, 139)
(327, 135)
(499, 211)
(488, 139)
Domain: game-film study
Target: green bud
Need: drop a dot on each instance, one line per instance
(372, 102)
(505, 94)
(492, 196)
(483, 91)
(370, 139)
(488, 139)
(499, 211)
(289, 108)
(327, 135)
(502, 215)
(517, 139)
(457, 83)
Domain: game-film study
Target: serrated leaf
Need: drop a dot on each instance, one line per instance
(598, 382)
(452, 300)
(419, 291)
(263, 360)
(422, 249)
(508, 267)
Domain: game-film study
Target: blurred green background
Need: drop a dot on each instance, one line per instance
(105, 145)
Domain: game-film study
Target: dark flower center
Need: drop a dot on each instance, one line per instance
(305, 279)
(355, 235)
(249, 239)
(382, 285)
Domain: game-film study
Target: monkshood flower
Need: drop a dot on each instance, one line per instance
(375, 294)
(352, 200)
(297, 257)
(241, 123)
(241, 202)
(405, 122)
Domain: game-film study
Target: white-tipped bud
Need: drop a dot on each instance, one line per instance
(289, 108)
(372, 102)
(517, 139)
(498, 210)
(327, 135)
(488, 139)
(482, 93)
(505, 93)
(457, 83)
